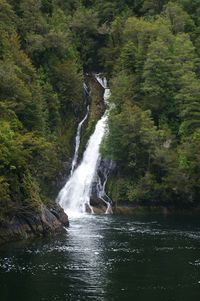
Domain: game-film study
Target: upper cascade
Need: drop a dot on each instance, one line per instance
(75, 195)
(78, 138)
(102, 81)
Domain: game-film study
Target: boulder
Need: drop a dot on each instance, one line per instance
(29, 223)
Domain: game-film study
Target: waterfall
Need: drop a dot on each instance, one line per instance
(85, 88)
(74, 198)
(78, 138)
(105, 168)
(102, 81)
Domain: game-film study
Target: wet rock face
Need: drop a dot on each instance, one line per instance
(59, 213)
(29, 224)
(97, 202)
(99, 197)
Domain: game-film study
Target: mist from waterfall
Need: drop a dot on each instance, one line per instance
(74, 198)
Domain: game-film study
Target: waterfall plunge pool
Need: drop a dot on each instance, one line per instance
(108, 258)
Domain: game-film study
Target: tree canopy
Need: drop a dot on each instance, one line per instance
(149, 49)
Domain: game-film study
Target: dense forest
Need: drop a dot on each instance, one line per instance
(149, 50)
(155, 123)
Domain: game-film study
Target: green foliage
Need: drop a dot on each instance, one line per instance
(85, 25)
(40, 96)
(147, 188)
(179, 19)
(149, 48)
(68, 84)
(158, 84)
(156, 69)
(153, 7)
(131, 139)
(128, 57)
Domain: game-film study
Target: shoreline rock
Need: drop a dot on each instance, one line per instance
(155, 209)
(30, 223)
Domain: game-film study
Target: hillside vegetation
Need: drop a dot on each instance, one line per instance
(41, 99)
(155, 125)
(149, 49)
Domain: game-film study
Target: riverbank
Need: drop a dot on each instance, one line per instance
(131, 210)
(52, 221)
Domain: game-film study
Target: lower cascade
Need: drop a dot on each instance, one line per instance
(74, 197)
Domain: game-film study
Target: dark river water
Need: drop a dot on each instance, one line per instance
(114, 258)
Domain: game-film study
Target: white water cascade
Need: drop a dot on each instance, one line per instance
(78, 138)
(74, 198)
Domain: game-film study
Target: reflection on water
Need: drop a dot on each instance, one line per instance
(107, 258)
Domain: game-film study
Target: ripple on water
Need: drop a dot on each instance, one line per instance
(102, 257)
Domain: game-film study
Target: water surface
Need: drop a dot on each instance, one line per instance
(106, 257)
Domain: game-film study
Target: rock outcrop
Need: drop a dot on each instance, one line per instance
(29, 223)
